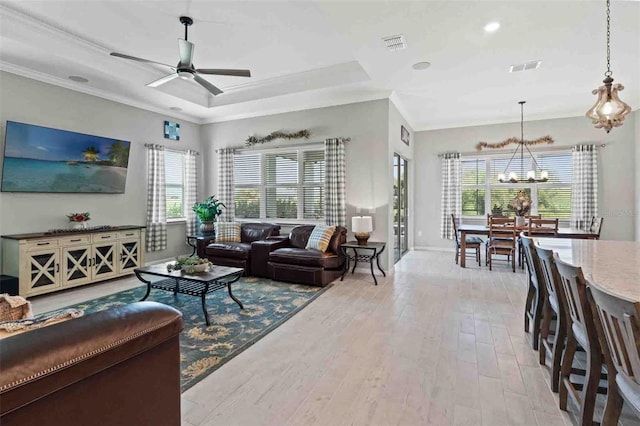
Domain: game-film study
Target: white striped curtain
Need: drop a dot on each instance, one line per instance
(156, 199)
(451, 200)
(190, 189)
(226, 193)
(584, 186)
(335, 182)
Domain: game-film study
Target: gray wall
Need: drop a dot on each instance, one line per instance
(617, 162)
(636, 120)
(34, 102)
(397, 146)
(368, 170)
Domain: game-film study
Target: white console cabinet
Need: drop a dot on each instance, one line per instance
(46, 262)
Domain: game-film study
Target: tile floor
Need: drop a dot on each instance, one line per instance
(431, 344)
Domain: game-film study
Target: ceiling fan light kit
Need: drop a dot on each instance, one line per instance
(609, 111)
(185, 69)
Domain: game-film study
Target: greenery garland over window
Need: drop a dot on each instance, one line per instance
(253, 140)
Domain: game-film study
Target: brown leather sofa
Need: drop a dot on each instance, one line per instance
(289, 260)
(240, 254)
(116, 367)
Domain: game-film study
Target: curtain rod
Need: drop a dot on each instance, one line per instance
(149, 145)
(507, 151)
(252, 148)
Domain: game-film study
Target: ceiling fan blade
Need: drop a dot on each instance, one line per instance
(204, 83)
(236, 73)
(163, 80)
(186, 52)
(133, 58)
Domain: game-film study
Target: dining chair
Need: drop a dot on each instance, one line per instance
(596, 226)
(581, 330)
(554, 306)
(535, 293)
(472, 242)
(502, 240)
(538, 227)
(619, 328)
(527, 218)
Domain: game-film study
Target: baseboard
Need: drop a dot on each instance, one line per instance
(435, 248)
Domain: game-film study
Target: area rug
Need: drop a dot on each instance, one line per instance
(204, 349)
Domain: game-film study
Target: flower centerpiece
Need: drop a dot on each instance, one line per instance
(208, 211)
(79, 219)
(521, 206)
(189, 265)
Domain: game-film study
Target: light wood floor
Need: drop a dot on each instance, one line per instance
(433, 344)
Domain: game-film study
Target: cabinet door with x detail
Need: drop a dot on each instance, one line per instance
(76, 265)
(104, 260)
(128, 255)
(42, 270)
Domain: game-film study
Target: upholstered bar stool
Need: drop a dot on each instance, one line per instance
(535, 294)
(619, 327)
(581, 331)
(554, 306)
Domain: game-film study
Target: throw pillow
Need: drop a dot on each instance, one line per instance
(320, 237)
(227, 232)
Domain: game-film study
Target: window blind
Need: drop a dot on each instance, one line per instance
(174, 183)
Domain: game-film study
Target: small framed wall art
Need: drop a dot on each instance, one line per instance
(404, 135)
(171, 131)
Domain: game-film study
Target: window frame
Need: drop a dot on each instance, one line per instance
(490, 184)
(300, 185)
(182, 218)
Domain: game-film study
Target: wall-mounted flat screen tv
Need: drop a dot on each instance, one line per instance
(41, 159)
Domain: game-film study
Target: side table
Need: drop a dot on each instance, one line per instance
(368, 253)
(199, 240)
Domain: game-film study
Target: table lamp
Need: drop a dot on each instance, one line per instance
(361, 227)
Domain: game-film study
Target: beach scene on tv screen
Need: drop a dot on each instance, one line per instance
(40, 159)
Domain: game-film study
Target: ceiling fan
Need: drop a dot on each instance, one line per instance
(185, 68)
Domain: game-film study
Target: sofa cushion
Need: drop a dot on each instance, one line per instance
(227, 232)
(305, 257)
(251, 232)
(320, 237)
(234, 250)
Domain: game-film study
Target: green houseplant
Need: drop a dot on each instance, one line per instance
(208, 212)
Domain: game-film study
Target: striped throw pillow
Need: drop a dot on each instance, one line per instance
(227, 232)
(320, 237)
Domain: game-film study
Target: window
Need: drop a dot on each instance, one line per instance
(550, 199)
(174, 183)
(279, 184)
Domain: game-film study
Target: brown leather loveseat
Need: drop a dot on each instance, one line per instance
(116, 367)
(240, 254)
(289, 260)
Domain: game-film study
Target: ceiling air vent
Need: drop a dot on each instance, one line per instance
(525, 67)
(395, 42)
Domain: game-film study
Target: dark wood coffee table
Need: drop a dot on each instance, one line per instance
(196, 284)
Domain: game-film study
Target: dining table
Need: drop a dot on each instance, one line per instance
(613, 266)
(471, 229)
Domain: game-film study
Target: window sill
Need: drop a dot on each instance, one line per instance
(176, 221)
(285, 222)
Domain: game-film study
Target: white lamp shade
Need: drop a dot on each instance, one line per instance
(361, 224)
(531, 174)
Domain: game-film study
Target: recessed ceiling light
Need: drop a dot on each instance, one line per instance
(78, 79)
(492, 27)
(175, 109)
(421, 65)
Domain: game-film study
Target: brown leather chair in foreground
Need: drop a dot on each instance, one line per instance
(116, 367)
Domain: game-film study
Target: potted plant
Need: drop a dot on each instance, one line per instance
(208, 212)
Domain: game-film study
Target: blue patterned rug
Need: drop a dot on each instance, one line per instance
(204, 349)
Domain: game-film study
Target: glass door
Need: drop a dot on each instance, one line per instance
(400, 206)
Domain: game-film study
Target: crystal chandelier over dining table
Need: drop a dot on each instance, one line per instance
(531, 176)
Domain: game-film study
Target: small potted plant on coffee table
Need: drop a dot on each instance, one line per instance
(208, 212)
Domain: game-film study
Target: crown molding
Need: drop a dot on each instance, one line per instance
(61, 82)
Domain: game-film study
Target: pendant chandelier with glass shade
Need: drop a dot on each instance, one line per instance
(532, 175)
(609, 111)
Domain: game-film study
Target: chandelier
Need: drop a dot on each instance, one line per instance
(522, 145)
(609, 111)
